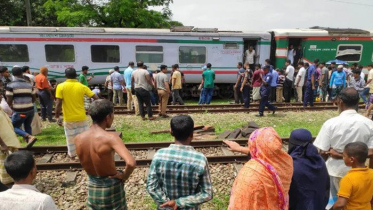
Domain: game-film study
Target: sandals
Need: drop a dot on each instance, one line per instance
(31, 141)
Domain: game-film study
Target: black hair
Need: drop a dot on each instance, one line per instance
(163, 67)
(182, 127)
(282, 71)
(330, 68)
(360, 66)
(316, 60)
(176, 66)
(288, 61)
(355, 64)
(140, 64)
(209, 65)
(301, 63)
(100, 109)
(3, 69)
(145, 67)
(334, 63)
(323, 63)
(258, 65)
(116, 68)
(268, 61)
(85, 68)
(371, 65)
(19, 164)
(350, 97)
(25, 68)
(307, 65)
(52, 80)
(131, 63)
(17, 71)
(358, 150)
(239, 63)
(356, 72)
(70, 73)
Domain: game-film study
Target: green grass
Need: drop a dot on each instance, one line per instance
(214, 101)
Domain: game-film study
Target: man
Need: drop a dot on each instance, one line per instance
(176, 85)
(23, 195)
(257, 82)
(118, 85)
(163, 88)
(208, 78)
(246, 86)
(337, 132)
(20, 97)
(250, 57)
(179, 176)
(291, 54)
(96, 148)
(84, 80)
(369, 86)
(299, 81)
(27, 73)
(273, 82)
(310, 84)
(324, 81)
(109, 85)
(6, 78)
(45, 94)
(153, 98)
(240, 76)
(298, 55)
(9, 143)
(289, 73)
(130, 97)
(142, 84)
(70, 98)
(356, 82)
(265, 91)
(337, 82)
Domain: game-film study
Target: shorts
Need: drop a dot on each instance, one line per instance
(336, 91)
(370, 101)
(256, 93)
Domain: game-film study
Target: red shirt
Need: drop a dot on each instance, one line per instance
(41, 82)
(257, 78)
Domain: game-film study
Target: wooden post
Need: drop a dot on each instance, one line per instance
(28, 12)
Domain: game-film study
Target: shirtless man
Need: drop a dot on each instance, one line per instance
(96, 148)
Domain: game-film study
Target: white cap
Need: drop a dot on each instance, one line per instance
(340, 66)
(15, 66)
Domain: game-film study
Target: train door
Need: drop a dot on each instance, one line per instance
(272, 56)
(247, 43)
(296, 45)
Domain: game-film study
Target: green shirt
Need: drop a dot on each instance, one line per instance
(83, 79)
(208, 78)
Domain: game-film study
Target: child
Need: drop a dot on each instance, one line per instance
(356, 188)
(280, 85)
(179, 176)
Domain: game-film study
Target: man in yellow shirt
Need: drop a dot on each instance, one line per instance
(356, 188)
(70, 99)
(176, 86)
(9, 143)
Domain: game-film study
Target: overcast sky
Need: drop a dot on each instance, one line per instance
(271, 14)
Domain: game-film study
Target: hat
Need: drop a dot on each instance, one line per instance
(111, 71)
(16, 66)
(340, 66)
(300, 137)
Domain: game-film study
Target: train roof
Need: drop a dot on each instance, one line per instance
(320, 31)
(177, 31)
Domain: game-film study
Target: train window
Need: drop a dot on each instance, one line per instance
(14, 53)
(230, 46)
(149, 54)
(349, 52)
(192, 54)
(60, 53)
(105, 53)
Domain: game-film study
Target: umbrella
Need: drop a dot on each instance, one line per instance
(338, 62)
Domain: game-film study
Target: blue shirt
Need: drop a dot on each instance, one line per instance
(338, 79)
(274, 79)
(127, 76)
(311, 71)
(116, 78)
(265, 90)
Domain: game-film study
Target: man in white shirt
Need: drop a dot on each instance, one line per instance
(250, 57)
(291, 54)
(289, 73)
(23, 195)
(337, 132)
(299, 81)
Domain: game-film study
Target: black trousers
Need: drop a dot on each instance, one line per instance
(143, 96)
(288, 89)
(246, 95)
(272, 96)
(238, 99)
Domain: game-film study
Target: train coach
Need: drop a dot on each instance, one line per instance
(103, 48)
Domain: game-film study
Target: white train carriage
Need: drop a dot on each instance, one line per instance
(103, 48)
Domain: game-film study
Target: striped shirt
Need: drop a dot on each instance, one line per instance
(182, 174)
(22, 92)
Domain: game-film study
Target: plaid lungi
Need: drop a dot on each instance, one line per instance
(4, 176)
(336, 91)
(87, 102)
(72, 129)
(105, 193)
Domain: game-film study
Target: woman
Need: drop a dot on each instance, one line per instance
(310, 184)
(264, 181)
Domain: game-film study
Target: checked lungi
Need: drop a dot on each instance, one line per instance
(72, 129)
(87, 102)
(106, 193)
(4, 176)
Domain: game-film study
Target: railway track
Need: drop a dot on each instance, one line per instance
(46, 153)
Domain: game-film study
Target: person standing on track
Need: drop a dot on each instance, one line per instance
(280, 85)
(96, 148)
(163, 88)
(179, 176)
(299, 81)
(142, 85)
(109, 85)
(118, 85)
(84, 80)
(324, 82)
(265, 91)
(246, 85)
(237, 87)
(337, 82)
(310, 85)
(257, 83)
(70, 98)
(208, 78)
(274, 81)
(288, 85)
(130, 97)
(176, 84)
(45, 94)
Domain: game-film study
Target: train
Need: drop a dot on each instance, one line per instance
(103, 48)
